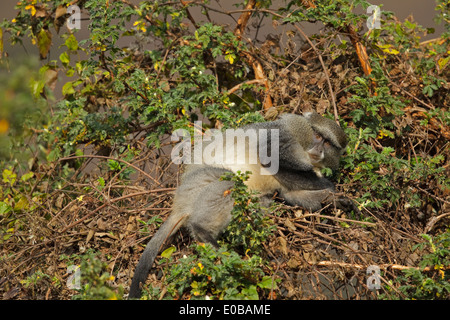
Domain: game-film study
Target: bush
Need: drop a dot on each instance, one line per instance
(431, 280)
(215, 274)
(88, 138)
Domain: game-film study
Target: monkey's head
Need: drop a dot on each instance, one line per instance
(328, 141)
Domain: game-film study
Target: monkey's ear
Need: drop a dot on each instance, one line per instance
(310, 114)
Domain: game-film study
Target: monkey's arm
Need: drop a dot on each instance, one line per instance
(302, 180)
(314, 199)
(292, 155)
(310, 191)
(308, 199)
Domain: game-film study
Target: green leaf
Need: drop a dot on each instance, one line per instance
(68, 89)
(22, 204)
(168, 252)
(65, 58)
(4, 208)
(101, 181)
(44, 42)
(9, 176)
(250, 293)
(267, 283)
(53, 155)
(410, 25)
(27, 176)
(37, 86)
(70, 72)
(72, 43)
(114, 165)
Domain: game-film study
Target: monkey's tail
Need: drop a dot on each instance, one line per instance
(172, 224)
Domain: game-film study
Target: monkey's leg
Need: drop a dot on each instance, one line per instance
(203, 235)
(211, 211)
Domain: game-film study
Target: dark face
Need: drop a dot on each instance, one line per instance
(316, 151)
(332, 156)
(328, 143)
(323, 154)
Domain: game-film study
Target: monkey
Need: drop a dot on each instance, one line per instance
(203, 205)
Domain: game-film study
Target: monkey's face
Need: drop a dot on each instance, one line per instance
(328, 142)
(322, 153)
(316, 150)
(332, 156)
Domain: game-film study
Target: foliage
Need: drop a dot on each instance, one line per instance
(249, 227)
(216, 274)
(38, 280)
(83, 139)
(19, 113)
(95, 282)
(433, 283)
(224, 273)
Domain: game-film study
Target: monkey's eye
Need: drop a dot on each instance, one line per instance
(327, 143)
(318, 137)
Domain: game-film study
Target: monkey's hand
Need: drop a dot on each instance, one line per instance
(342, 202)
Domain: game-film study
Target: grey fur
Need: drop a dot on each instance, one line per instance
(203, 205)
(199, 194)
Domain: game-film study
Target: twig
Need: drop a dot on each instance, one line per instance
(432, 195)
(325, 236)
(112, 201)
(111, 158)
(257, 67)
(431, 107)
(190, 17)
(260, 75)
(381, 266)
(243, 19)
(333, 99)
(238, 86)
(434, 220)
(371, 224)
(361, 51)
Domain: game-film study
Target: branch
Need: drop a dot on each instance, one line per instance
(360, 51)
(190, 17)
(238, 86)
(259, 73)
(112, 201)
(434, 220)
(243, 19)
(363, 267)
(111, 158)
(257, 67)
(370, 224)
(325, 70)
